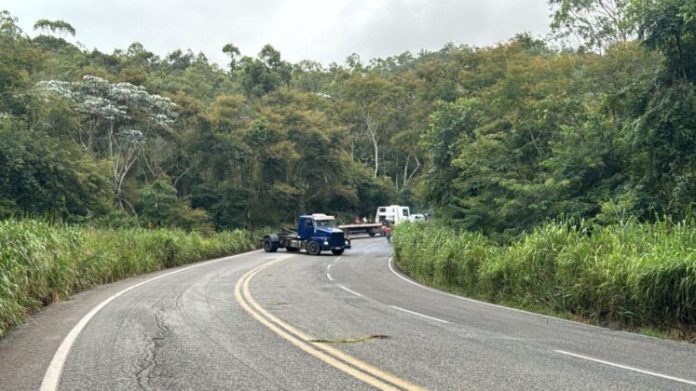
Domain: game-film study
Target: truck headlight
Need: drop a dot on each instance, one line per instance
(326, 242)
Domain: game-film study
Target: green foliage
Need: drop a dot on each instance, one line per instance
(633, 275)
(263, 74)
(665, 131)
(56, 26)
(41, 177)
(670, 27)
(42, 263)
(547, 136)
(370, 191)
(19, 58)
(157, 204)
(448, 124)
(159, 207)
(495, 140)
(666, 136)
(598, 23)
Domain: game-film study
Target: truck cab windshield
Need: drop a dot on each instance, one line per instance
(324, 223)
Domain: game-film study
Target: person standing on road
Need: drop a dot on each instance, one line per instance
(388, 232)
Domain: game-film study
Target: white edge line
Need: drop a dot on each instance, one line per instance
(329, 277)
(421, 315)
(55, 368)
(350, 291)
(410, 281)
(693, 383)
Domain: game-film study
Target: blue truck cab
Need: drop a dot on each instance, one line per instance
(315, 233)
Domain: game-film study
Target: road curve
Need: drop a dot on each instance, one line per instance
(284, 321)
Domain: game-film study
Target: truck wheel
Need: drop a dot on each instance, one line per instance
(313, 248)
(338, 252)
(269, 246)
(371, 232)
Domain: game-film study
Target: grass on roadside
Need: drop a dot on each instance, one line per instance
(637, 276)
(42, 263)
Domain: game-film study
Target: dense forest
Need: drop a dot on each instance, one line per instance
(494, 139)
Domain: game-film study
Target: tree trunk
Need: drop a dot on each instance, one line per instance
(372, 133)
(407, 177)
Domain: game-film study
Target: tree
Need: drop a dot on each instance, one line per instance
(42, 176)
(18, 59)
(157, 204)
(371, 106)
(449, 123)
(117, 120)
(310, 76)
(664, 137)
(301, 155)
(597, 23)
(180, 61)
(59, 27)
(233, 52)
(53, 34)
(264, 74)
(410, 123)
(669, 26)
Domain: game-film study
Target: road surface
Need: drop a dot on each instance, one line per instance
(279, 321)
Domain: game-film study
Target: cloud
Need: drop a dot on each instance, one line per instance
(325, 31)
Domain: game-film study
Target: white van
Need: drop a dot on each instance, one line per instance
(393, 214)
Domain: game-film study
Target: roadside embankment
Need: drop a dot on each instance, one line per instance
(41, 263)
(638, 276)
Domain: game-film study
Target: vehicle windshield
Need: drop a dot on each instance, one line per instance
(325, 223)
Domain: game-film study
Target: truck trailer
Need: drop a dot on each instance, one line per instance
(391, 214)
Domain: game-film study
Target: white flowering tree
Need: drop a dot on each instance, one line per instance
(117, 120)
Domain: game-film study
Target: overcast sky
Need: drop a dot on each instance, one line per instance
(321, 30)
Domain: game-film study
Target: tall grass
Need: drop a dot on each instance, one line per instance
(636, 275)
(41, 263)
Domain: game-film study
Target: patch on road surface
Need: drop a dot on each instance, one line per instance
(351, 339)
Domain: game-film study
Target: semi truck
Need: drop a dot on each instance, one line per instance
(315, 233)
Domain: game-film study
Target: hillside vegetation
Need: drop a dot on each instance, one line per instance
(496, 139)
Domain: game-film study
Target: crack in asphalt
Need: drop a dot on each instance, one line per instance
(148, 363)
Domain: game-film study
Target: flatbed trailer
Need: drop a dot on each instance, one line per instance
(371, 229)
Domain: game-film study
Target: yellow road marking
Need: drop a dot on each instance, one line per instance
(328, 354)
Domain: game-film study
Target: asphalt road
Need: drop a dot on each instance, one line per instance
(284, 321)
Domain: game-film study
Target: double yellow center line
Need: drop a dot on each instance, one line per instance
(324, 352)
